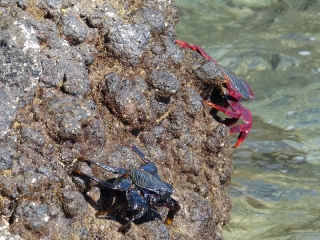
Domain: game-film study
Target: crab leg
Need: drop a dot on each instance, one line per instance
(104, 166)
(141, 155)
(230, 121)
(195, 48)
(136, 203)
(238, 112)
(174, 208)
(149, 166)
(231, 113)
(103, 184)
(245, 128)
(242, 136)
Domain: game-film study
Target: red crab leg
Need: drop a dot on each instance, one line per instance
(244, 128)
(230, 121)
(229, 112)
(238, 111)
(195, 48)
(242, 136)
(232, 93)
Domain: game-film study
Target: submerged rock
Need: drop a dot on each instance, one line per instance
(85, 79)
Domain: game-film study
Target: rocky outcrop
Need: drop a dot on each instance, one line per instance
(84, 78)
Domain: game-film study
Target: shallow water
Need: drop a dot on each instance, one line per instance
(274, 46)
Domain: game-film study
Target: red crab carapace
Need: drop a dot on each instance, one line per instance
(235, 91)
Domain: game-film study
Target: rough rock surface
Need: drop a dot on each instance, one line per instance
(85, 78)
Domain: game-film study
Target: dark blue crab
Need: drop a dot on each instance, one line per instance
(143, 188)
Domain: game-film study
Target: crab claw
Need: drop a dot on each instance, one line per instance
(174, 207)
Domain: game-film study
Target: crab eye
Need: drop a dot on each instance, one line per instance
(162, 192)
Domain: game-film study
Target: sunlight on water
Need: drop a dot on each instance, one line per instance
(273, 45)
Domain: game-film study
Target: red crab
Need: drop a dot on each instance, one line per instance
(236, 90)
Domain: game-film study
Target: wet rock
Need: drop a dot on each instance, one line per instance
(6, 3)
(67, 117)
(84, 79)
(193, 101)
(74, 203)
(208, 72)
(33, 215)
(32, 136)
(164, 83)
(129, 40)
(153, 18)
(87, 51)
(19, 69)
(128, 102)
(101, 16)
(73, 29)
(5, 158)
(23, 4)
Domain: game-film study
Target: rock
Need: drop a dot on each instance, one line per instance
(128, 102)
(23, 4)
(33, 215)
(74, 203)
(154, 19)
(19, 69)
(208, 72)
(79, 78)
(5, 158)
(67, 117)
(73, 29)
(193, 101)
(101, 16)
(33, 137)
(129, 41)
(164, 83)
(88, 52)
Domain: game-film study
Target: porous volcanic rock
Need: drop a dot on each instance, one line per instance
(85, 78)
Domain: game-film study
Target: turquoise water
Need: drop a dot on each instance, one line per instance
(275, 46)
